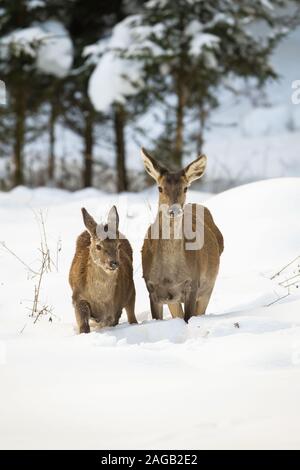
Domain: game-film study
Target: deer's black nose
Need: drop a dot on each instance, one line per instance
(114, 264)
(175, 210)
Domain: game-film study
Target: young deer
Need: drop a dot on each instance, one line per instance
(174, 273)
(101, 275)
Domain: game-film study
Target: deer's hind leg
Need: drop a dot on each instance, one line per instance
(202, 302)
(83, 314)
(176, 310)
(190, 303)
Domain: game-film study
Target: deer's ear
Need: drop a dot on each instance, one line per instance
(195, 169)
(153, 168)
(113, 219)
(89, 222)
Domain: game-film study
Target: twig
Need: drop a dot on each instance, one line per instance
(295, 283)
(58, 250)
(19, 259)
(279, 272)
(290, 279)
(21, 331)
(45, 267)
(277, 300)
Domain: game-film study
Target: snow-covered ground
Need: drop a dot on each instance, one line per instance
(230, 379)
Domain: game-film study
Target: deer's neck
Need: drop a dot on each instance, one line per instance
(169, 230)
(97, 273)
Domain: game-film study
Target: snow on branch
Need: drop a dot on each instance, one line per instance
(115, 77)
(48, 43)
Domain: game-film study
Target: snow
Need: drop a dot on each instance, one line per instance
(117, 77)
(22, 41)
(2, 93)
(230, 379)
(267, 121)
(55, 56)
(48, 43)
(107, 85)
(267, 4)
(200, 39)
(32, 4)
(114, 77)
(271, 121)
(266, 213)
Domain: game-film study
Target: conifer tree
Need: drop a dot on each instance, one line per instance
(188, 48)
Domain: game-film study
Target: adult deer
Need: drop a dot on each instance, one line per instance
(175, 270)
(101, 275)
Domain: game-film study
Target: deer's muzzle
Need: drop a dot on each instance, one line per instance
(175, 210)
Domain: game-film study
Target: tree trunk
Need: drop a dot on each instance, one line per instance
(179, 124)
(119, 125)
(19, 137)
(19, 110)
(51, 159)
(88, 149)
(202, 121)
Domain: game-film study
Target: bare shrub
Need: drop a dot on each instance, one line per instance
(45, 265)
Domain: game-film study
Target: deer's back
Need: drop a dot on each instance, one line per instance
(209, 222)
(78, 271)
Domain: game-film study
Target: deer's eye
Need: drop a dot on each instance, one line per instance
(185, 189)
(98, 247)
(160, 189)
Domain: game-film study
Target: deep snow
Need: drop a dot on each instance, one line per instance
(230, 379)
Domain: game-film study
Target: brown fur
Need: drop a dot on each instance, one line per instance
(174, 274)
(98, 293)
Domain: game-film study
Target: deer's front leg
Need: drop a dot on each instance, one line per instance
(190, 303)
(83, 314)
(156, 309)
(130, 308)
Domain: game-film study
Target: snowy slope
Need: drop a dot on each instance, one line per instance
(230, 379)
